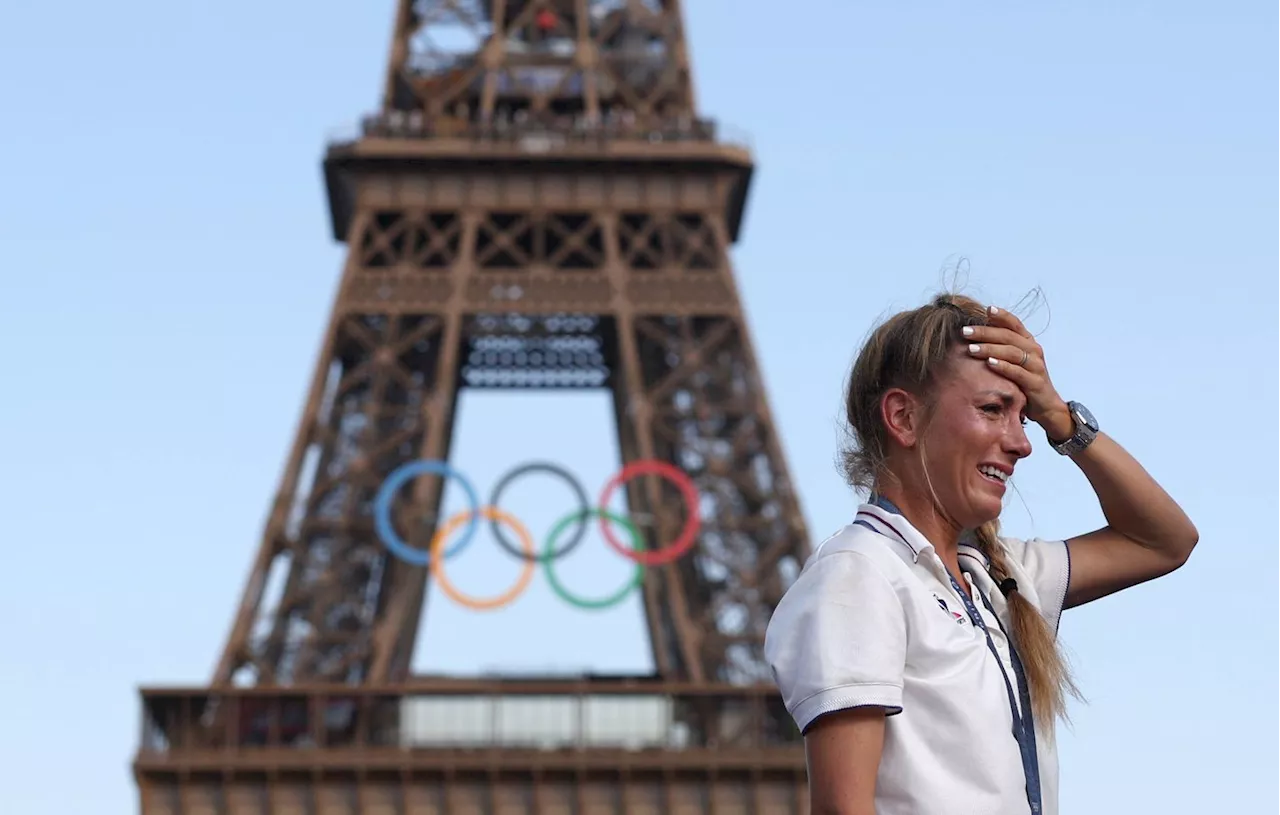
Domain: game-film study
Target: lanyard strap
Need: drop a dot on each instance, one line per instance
(1024, 730)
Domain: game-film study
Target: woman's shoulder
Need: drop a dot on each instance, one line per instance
(850, 568)
(1019, 548)
(1037, 556)
(838, 638)
(853, 549)
(1045, 565)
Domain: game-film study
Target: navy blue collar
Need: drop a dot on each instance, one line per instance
(967, 539)
(885, 504)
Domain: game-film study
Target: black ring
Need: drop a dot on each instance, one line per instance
(553, 469)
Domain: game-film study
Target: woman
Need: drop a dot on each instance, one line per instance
(917, 649)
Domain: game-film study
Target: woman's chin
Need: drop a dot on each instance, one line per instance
(981, 510)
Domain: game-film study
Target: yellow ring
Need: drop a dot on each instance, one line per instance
(526, 545)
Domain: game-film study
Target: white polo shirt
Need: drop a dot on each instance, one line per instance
(873, 619)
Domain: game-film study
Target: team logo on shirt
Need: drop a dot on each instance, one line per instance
(958, 617)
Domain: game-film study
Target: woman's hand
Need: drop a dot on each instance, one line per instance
(1012, 352)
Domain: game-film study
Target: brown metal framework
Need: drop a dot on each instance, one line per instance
(536, 206)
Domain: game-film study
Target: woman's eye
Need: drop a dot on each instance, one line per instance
(992, 409)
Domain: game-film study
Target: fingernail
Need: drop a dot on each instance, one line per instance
(992, 361)
(973, 349)
(994, 310)
(967, 331)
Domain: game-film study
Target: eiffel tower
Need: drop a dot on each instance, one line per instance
(536, 204)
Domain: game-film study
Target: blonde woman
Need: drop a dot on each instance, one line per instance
(917, 650)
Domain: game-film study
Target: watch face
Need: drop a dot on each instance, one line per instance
(1084, 416)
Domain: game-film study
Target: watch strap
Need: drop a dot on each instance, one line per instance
(1082, 436)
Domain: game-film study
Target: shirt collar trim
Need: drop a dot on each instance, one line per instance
(897, 527)
(971, 550)
(887, 521)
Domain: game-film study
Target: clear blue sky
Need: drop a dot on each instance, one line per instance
(166, 271)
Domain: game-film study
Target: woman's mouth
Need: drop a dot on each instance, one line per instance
(993, 474)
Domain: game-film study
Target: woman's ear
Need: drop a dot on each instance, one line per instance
(901, 413)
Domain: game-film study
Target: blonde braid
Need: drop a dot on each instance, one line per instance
(1048, 675)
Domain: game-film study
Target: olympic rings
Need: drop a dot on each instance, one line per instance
(527, 553)
(637, 543)
(382, 509)
(526, 572)
(547, 555)
(688, 534)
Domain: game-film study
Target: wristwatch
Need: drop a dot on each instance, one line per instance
(1086, 431)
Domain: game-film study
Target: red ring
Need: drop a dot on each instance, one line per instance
(688, 535)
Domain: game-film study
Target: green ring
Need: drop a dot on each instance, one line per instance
(637, 543)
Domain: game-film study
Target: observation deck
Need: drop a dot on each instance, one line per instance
(419, 150)
(580, 747)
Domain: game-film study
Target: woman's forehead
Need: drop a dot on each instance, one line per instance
(972, 378)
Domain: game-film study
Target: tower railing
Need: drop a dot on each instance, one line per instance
(550, 131)
(470, 716)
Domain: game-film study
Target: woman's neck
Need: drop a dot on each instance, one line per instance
(920, 512)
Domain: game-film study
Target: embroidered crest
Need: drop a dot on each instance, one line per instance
(942, 604)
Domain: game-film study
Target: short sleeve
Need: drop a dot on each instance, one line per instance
(1048, 565)
(838, 639)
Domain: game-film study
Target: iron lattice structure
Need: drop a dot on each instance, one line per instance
(536, 205)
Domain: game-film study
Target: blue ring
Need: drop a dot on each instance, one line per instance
(382, 509)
